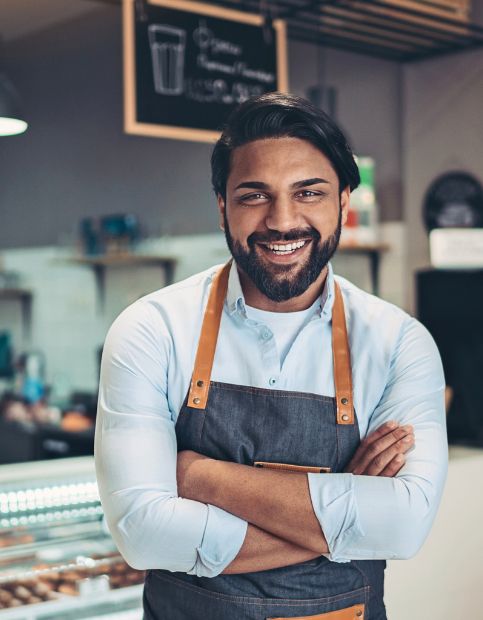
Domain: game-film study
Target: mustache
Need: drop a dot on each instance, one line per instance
(273, 236)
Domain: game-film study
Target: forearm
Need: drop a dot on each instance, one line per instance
(274, 501)
(264, 551)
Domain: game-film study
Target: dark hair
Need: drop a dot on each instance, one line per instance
(282, 115)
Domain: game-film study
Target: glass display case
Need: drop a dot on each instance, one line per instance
(57, 559)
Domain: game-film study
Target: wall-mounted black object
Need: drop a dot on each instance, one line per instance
(187, 65)
(450, 305)
(454, 200)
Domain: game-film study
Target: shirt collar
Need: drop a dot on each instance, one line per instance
(236, 301)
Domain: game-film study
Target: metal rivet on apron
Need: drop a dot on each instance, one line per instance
(344, 401)
(196, 400)
(345, 417)
(359, 613)
(200, 383)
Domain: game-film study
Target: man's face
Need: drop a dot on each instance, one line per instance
(283, 214)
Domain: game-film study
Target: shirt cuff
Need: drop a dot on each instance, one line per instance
(334, 502)
(223, 537)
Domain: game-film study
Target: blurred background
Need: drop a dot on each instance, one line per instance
(93, 218)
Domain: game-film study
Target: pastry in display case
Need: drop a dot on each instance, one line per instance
(57, 559)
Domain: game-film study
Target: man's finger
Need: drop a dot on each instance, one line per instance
(373, 451)
(382, 431)
(380, 462)
(393, 467)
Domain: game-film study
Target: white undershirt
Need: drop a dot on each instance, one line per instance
(285, 326)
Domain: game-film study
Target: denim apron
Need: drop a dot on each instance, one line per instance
(289, 431)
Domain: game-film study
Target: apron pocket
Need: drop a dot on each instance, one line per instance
(294, 469)
(350, 613)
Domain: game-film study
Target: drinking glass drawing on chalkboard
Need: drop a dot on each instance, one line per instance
(168, 46)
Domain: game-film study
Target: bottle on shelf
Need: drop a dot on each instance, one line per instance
(362, 220)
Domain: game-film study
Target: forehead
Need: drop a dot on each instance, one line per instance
(279, 158)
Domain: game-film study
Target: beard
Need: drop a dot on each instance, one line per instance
(283, 282)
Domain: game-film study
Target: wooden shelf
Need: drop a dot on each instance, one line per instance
(373, 251)
(397, 30)
(122, 259)
(364, 249)
(15, 293)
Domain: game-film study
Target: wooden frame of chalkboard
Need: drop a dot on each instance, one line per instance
(154, 66)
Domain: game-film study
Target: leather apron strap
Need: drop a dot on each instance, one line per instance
(200, 381)
(342, 361)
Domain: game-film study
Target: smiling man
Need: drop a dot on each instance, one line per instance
(232, 405)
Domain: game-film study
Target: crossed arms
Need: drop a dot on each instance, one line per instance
(283, 528)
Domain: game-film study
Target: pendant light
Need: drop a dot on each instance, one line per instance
(11, 118)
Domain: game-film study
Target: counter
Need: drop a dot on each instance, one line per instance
(57, 561)
(445, 579)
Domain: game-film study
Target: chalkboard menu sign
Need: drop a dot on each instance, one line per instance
(187, 65)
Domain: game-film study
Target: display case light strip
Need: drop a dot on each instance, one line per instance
(92, 511)
(48, 497)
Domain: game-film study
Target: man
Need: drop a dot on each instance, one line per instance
(232, 405)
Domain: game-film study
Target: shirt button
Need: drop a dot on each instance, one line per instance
(273, 381)
(233, 306)
(266, 335)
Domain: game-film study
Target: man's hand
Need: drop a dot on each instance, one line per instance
(382, 452)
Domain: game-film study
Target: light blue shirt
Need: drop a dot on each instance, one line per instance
(146, 370)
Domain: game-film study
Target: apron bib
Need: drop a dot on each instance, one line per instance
(291, 431)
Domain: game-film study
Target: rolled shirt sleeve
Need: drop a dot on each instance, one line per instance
(135, 454)
(366, 517)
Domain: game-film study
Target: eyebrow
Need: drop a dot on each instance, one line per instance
(296, 185)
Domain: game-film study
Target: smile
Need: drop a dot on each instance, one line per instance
(286, 248)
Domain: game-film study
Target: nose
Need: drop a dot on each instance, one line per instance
(283, 215)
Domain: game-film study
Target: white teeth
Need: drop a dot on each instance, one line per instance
(287, 248)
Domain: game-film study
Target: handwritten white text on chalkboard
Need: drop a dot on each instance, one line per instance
(204, 39)
(237, 68)
(218, 91)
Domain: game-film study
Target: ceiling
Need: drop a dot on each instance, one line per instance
(19, 18)
(354, 25)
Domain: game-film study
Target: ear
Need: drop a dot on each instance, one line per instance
(221, 207)
(345, 198)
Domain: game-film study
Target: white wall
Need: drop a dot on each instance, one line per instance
(369, 109)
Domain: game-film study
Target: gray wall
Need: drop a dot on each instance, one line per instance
(369, 110)
(74, 160)
(443, 121)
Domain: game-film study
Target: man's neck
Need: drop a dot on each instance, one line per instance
(256, 299)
